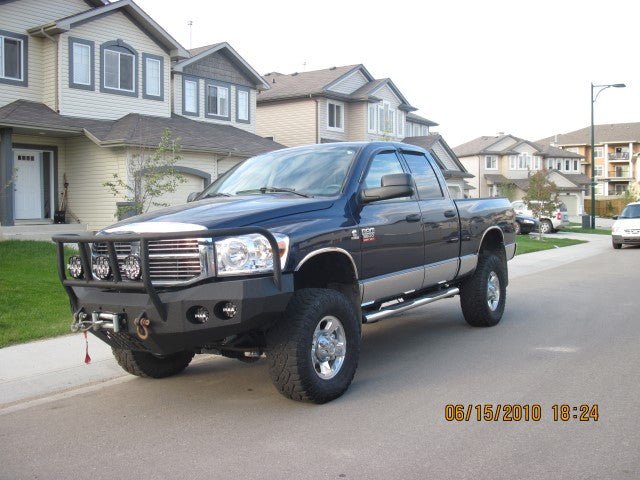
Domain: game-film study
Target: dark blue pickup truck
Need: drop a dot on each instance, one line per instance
(287, 255)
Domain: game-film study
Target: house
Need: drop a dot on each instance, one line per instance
(617, 147)
(453, 170)
(417, 126)
(502, 164)
(335, 104)
(86, 84)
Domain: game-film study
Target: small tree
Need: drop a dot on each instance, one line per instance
(150, 175)
(508, 190)
(541, 197)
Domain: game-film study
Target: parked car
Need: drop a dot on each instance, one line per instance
(288, 254)
(525, 225)
(557, 221)
(626, 229)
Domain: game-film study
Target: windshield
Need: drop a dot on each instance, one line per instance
(630, 211)
(310, 171)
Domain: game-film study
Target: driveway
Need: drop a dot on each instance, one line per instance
(569, 335)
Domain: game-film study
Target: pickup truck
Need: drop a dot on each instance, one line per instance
(287, 255)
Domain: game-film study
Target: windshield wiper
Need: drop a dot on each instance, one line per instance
(274, 190)
(217, 194)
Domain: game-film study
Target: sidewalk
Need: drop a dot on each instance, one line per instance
(47, 367)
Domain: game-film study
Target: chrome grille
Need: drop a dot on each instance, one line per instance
(169, 260)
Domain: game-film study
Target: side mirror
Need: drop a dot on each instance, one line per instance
(615, 217)
(396, 185)
(192, 196)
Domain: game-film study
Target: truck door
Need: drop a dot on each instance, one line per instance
(391, 238)
(439, 220)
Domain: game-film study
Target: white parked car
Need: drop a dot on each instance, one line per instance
(557, 221)
(626, 229)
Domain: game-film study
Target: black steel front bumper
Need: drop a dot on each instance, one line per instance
(258, 300)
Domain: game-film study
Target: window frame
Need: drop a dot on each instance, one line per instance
(92, 61)
(399, 124)
(196, 80)
(596, 150)
(335, 104)
(403, 166)
(240, 90)
(24, 59)
(120, 48)
(218, 85)
(372, 107)
(416, 176)
(494, 160)
(160, 60)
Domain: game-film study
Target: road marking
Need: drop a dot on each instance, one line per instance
(558, 349)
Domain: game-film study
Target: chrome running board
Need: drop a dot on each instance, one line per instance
(409, 304)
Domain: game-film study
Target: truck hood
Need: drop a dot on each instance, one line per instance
(221, 212)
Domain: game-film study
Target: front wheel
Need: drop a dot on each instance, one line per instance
(484, 294)
(313, 350)
(616, 245)
(143, 364)
(517, 229)
(546, 226)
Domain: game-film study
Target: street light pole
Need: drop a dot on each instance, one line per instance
(593, 146)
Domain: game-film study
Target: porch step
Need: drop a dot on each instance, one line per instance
(40, 232)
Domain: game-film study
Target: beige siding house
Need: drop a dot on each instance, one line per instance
(85, 85)
(333, 105)
(503, 163)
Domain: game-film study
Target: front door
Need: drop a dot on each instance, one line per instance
(28, 185)
(391, 237)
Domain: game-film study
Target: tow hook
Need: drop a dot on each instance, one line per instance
(97, 321)
(142, 324)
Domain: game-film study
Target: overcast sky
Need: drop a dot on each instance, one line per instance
(475, 67)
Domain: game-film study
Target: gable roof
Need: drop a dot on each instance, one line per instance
(319, 83)
(412, 117)
(199, 53)
(489, 145)
(131, 9)
(139, 130)
(606, 133)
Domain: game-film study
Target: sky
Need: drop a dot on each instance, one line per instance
(475, 67)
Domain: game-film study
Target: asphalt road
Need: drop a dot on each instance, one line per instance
(569, 335)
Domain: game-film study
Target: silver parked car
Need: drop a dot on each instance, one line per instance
(557, 221)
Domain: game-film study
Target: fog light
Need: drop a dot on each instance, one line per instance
(131, 267)
(229, 309)
(101, 267)
(75, 266)
(201, 315)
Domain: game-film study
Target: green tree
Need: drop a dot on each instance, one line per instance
(508, 190)
(541, 197)
(150, 175)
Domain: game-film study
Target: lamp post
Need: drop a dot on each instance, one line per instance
(593, 141)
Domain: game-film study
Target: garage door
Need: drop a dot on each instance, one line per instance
(192, 184)
(571, 201)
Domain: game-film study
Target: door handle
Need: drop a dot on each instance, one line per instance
(414, 217)
(450, 213)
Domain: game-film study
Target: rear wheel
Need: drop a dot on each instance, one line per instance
(546, 226)
(617, 246)
(483, 295)
(313, 350)
(145, 364)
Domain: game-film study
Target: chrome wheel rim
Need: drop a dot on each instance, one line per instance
(493, 291)
(545, 227)
(328, 348)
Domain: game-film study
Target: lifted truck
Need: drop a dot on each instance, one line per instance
(361, 231)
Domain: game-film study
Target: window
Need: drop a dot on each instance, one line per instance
(535, 163)
(335, 116)
(390, 127)
(217, 100)
(385, 163)
(371, 125)
(567, 165)
(13, 58)
(490, 162)
(425, 130)
(423, 174)
(598, 169)
(598, 152)
(119, 69)
(152, 76)
(381, 119)
(81, 64)
(242, 104)
(190, 96)
(550, 163)
(576, 166)
(400, 129)
(416, 130)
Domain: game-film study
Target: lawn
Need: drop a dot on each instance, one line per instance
(577, 228)
(33, 303)
(530, 243)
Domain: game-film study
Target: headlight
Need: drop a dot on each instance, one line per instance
(75, 266)
(248, 254)
(531, 222)
(101, 267)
